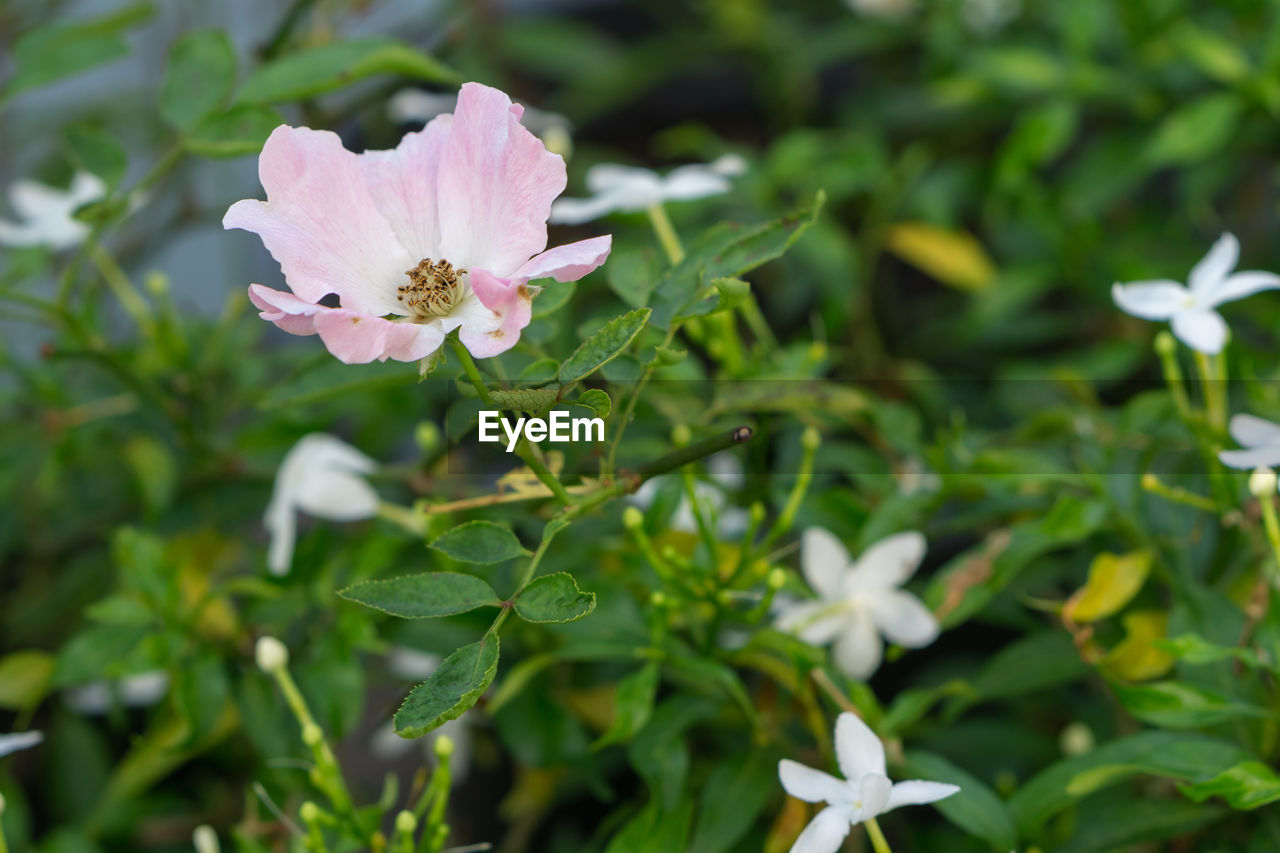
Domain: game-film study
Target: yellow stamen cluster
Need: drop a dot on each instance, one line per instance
(433, 288)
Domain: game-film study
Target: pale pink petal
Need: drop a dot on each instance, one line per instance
(287, 311)
(1208, 274)
(902, 618)
(858, 650)
(825, 833)
(812, 786)
(1151, 300)
(874, 792)
(858, 751)
(824, 561)
(569, 262)
(321, 224)
(509, 304)
(496, 184)
(403, 183)
(1252, 431)
(887, 563)
(361, 338)
(1240, 285)
(916, 793)
(1202, 330)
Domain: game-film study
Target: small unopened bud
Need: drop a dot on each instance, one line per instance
(811, 440)
(817, 351)
(271, 654)
(427, 436)
(312, 734)
(632, 517)
(406, 823)
(757, 512)
(1262, 482)
(777, 579)
(309, 812)
(658, 599)
(1150, 482)
(681, 435)
(443, 746)
(205, 839)
(1076, 739)
(1165, 345)
(157, 283)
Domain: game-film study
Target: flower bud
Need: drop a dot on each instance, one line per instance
(658, 599)
(811, 439)
(205, 839)
(681, 435)
(406, 823)
(312, 734)
(427, 436)
(757, 512)
(1262, 482)
(632, 517)
(1150, 482)
(1076, 739)
(1165, 345)
(309, 812)
(443, 746)
(777, 579)
(271, 654)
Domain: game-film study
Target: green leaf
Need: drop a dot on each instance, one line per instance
(424, 596)
(654, 829)
(604, 345)
(733, 796)
(726, 251)
(452, 689)
(316, 70)
(552, 298)
(201, 695)
(240, 130)
(597, 401)
(632, 274)
(632, 705)
(540, 371)
(61, 49)
(1196, 130)
(1176, 705)
(1114, 579)
(1197, 651)
(479, 542)
(955, 258)
(554, 598)
(198, 78)
(154, 470)
(93, 149)
(976, 809)
(1167, 754)
(95, 653)
(1247, 785)
(24, 679)
(659, 753)
(524, 399)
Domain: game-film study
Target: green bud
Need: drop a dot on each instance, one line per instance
(777, 579)
(632, 518)
(811, 439)
(818, 351)
(1262, 482)
(681, 435)
(1150, 482)
(205, 840)
(658, 599)
(271, 654)
(1165, 345)
(757, 512)
(427, 436)
(1076, 739)
(443, 746)
(309, 812)
(406, 823)
(312, 734)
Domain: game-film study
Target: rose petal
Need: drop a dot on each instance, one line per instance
(403, 182)
(491, 320)
(569, 262)
(360, 338)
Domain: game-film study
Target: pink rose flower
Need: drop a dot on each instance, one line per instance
(444, 232)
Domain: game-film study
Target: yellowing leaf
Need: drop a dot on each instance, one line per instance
(954, 258)
(1136, 657)
(1114, 579)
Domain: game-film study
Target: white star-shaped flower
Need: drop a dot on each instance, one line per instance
(46, 213)
(141, 690)
(19, 741)
(859, 601)
(323, 477)
(1190, 308)
(863, 793)
(1261, 440)
(629, 188)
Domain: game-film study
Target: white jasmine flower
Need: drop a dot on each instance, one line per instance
(1261, 440)
(863, 793)
(419, 106)
(19, 741)
(890, 10)
(321, 476)
(629, 188)
(859, 601)
(414, 665)
(133, 691)
(1190, 308)
(987, 16)
(205, 840)
(45, 212)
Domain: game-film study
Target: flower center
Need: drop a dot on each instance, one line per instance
(433, 288)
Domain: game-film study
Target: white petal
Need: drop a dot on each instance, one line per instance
(25, 740)
(886, 564)
(858, 751)
(693, 182)
(1253, 431)
(411, 664)
(613, 177)
(1240, 285)
(1202, 330)
(825, 833)
(815, 622)
(902, 618)
(916, 792)
(336, 495)
(729, 165)
(144, 689)
(1151, 300)
(875, 791)
(575, 211)
(1267, 456)
(824, 562)
(812, 786)
(858, 650)
(282, 523)
(416, 105)
(1208, 274)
